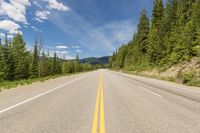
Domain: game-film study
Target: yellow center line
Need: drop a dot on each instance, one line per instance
(99, 110)
(102, 121)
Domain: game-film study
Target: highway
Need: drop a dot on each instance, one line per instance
(101, 101)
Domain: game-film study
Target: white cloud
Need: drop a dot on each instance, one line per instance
(120, 32)
(54, 4)
(15, 9)
(37, 4)
(62, 47)
(62, 52)
(39, 20)
(10, 26)
(79, 51)
(42, 15)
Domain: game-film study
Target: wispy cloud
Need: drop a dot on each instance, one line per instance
(41, 15)
(35, 28)
(93, 39)
(54, 4)
(119, 32)
(79, 51)
(103, 39)
(37, 4)
(62, 47)
(62, 52)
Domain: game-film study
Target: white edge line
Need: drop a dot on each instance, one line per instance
(183, 88)
(187, 89)
(42, 94)
(150, 91)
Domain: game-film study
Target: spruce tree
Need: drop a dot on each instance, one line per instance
(2, 73)
(54, 64)
(34, 68)
(77, 67)
(196, 21)
(19, 55)
(156, 49)
(64, 68)
(45, 65)
(143, 31)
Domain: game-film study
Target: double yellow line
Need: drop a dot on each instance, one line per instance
(99, 121)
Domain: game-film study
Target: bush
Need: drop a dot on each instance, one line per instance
(187, 77)
(194, 82)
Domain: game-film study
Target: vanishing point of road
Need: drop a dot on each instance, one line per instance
(101, 101)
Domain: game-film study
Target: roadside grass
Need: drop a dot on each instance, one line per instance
(12, 84)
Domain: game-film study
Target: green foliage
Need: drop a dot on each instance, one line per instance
(173, 37)
(20, 53)
(187, 77)
(143, 31)
(77, 66)
(20, 66)
(44, 65)
(34, 68)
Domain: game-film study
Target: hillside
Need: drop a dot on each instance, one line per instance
(95, 60)
(165, 46)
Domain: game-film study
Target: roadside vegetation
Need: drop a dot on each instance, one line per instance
(171, 38)
(20, 66)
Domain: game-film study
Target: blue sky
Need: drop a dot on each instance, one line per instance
(87, 27)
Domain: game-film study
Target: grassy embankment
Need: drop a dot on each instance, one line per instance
(13, 84)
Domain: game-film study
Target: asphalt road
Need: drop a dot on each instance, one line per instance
(101, 101)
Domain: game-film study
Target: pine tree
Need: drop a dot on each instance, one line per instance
(112, 59)
(143, 31)
(44, 65)
(184, 35)
(54, 64)
(8, 60)
(49, 64)
(5, 60)
(34, 68)
(120, 58)
(156, 49)
(2, 73)
(64, 68)
(19, 55)
(196, 21)
(77, 67)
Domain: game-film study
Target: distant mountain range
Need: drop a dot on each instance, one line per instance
(95, 60)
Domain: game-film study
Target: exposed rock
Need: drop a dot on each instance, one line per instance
(175, 71)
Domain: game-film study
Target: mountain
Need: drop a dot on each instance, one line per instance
(95, 60)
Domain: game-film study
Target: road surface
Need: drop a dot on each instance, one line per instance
(101, 101)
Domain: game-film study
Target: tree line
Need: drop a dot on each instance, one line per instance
(172, 36)
(17, 63)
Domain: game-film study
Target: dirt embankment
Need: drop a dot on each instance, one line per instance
(187, 73)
